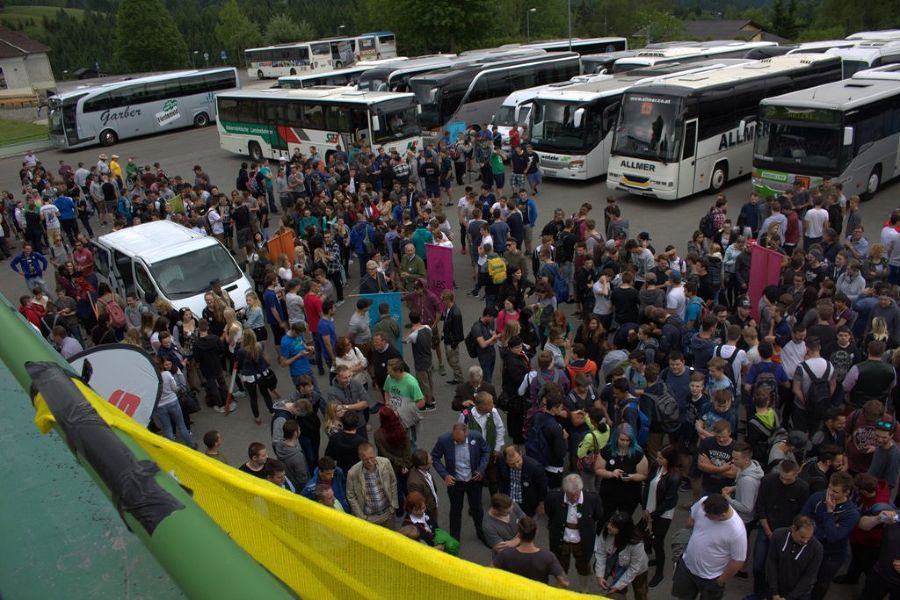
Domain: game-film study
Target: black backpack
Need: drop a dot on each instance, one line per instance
(766, 380)
(665, 409)
(707, 226)
(729, 370)
(818, 396)
(472, 345)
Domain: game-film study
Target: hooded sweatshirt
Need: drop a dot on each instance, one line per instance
(279, 417)
(792, 568)
(832, 529)
(746, 487)
(296, 468)
(702, 349)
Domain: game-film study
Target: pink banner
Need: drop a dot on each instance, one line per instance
(440, 268)
(765, 270)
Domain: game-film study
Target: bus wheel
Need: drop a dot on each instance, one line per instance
(338, 64)
(719, 177)
(293, 71)
(255, 151)
(259, 74)
(108, 137)
(873, 183)
(201, 120)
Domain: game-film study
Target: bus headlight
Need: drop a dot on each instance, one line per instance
(576, 164)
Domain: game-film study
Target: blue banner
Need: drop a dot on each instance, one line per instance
(392, 299)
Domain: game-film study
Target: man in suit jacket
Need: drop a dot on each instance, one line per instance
(523, 479)
(573, 515)
(454, 335)
(467, 390)
(420, 480)
(460, 458)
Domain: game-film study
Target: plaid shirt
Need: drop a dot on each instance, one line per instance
(376, 499)
(515, 485)
(334, 263)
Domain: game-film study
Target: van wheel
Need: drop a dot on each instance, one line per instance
(259, 74)
(201, 120)
(255, 151)
(108, 137)
(873, 183)
(719, 177)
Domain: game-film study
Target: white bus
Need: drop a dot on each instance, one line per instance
(884, 34)
(394, 75)
(867, 55)
(468, 94)
(571, 123)
(848, 131)
(300, 57)
(690, 133)
(579, 45)
(376, 45)
(273, 123)
(337, 77)
(681, 54)
(119, 110)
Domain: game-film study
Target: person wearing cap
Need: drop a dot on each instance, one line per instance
(644, 240)
(791, 448)
(103, 164)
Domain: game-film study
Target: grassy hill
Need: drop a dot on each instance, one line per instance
(30, 19)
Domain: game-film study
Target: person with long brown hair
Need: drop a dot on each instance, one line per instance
(255, 373)
(393, 443)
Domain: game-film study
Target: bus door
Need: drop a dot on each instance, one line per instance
(687, 166)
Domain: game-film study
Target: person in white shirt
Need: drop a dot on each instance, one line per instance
(676, 302)
(715, 553)
(739, 363)
(805, 416)
(493, 434)
(794, 352)
(815, 222)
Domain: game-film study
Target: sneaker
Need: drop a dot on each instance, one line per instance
(657, 579)
(442, 369)
(339, 303)
(430, 408)
(219, 409)
(258, 420)
(474, 293)
(234, 405)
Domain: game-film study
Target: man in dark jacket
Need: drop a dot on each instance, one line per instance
(343, 446)
(460, 458)
(453, 334)
(573, 515)
(383, 351)
(546, 441)
(208, 352)
(523, 479)
(781, 496)
(793, 560)
(464, 397)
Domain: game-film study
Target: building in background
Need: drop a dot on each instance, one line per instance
(24, 66)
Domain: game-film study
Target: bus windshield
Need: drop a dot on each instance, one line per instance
(184, 276)
(438, 102)
(506, 116)
(849, 67)
(395, 121)
(817, 147)
(554, 127)
(649, 127)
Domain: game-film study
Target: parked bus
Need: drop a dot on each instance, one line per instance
(867, 55)
(884, 34)
(571, 123)
(848, 131)
(694, 132)
(394, 75)
(468, 94)
(376, 45)
(119, 110)
(338, 77)
(301, 57)
(579, 45)
(681, 54)
(274, 123)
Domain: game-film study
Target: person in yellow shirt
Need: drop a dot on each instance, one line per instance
(116, 169)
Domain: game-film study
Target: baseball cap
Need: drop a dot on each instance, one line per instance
(799, 439)
(745, 302)
(644, 236)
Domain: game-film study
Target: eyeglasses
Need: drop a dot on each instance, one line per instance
(885, 425)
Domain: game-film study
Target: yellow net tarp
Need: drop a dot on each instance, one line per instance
(318, 552)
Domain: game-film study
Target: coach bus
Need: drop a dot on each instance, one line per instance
(682, 54)
(376, 45)
(571, 123)
(115, 111)
(394, 75)
(337, 77)
(867, 55)
(301, 57)
(273, 123)
(694, 132)
(848, 131)
(883, 34)
(580, 45)
(468, 94)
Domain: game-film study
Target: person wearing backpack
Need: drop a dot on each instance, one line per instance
(813, 387)
(627, 410)
(532, 386)
(546, 439)
(764, 427)
(737, 360)
(766, 375)
(108, 302)
(482, 340)
(665, 416)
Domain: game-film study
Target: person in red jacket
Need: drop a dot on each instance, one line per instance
(31, 310)
(865, 540)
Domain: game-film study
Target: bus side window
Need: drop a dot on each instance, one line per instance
(101, 259)
(690, 140)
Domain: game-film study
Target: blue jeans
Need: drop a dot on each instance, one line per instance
(320, 361)
(760, 552)
(169, 413)
(487, 366)
(33, 282)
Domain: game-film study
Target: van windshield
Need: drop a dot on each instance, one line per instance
(187, 275)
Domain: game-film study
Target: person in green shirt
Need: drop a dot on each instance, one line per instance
(403, 394)
(412, 268)
(498, 169)
(420, 237)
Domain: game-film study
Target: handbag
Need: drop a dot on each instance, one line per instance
(262, 334)
(451, 544)
(189, 400)
(268, 379)
(586, 463)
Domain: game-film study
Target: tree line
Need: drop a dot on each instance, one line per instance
(147, 35)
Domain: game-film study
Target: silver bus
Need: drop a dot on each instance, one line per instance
(110, 112)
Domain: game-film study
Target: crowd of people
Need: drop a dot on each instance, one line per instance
(632, 382)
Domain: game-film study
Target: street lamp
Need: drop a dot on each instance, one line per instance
(528, 23)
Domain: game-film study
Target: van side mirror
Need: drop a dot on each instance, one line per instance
(848, 136)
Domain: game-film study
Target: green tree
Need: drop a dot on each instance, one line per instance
(146, 37)
(235, 33)
(282, 29)
(784, 19)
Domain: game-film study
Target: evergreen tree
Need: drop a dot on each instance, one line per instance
(283, 29)
(235, 33)
(147, 38)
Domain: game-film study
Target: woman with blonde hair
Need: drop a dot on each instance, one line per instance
(254, 372)
(214, 313)
(878, 333)
(511, 329)
(254, 318)
(875, 266)
(333, 413)
(348, 355)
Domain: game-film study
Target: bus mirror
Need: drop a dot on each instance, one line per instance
(419, 108)
(742, 125)
(848, 136)
(578, 117)
(375, 123)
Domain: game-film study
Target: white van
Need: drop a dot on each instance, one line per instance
(170, 260)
